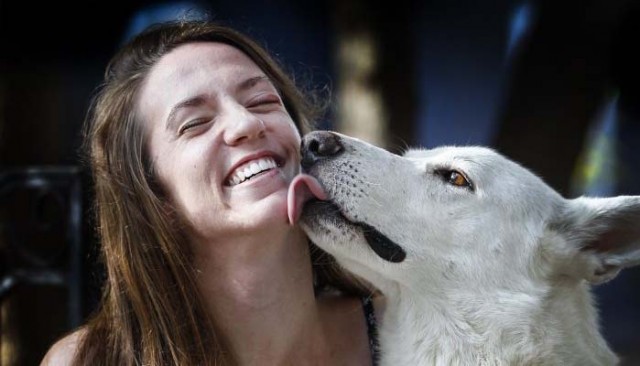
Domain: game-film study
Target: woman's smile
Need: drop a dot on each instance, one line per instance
(252, 166)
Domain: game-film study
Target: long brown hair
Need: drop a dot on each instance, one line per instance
(150, 312)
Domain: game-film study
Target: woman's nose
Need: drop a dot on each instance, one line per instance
(242, 125)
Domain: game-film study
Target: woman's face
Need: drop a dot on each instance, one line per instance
(222, 144)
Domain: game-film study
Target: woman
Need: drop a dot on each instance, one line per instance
(193, 141)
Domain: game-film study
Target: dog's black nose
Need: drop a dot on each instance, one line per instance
(319, 145)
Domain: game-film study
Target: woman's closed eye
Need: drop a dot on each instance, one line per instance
(264, 103)
(191, 124)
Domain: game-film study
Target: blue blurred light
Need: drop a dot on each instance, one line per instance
(521, 23)
(183, 10)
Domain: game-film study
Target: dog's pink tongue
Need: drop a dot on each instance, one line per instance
(303, 188)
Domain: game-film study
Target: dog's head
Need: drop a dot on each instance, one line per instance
(455, 214)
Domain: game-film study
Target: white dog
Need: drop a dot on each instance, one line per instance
(481, 262)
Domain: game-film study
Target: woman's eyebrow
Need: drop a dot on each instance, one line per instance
(189, 102)
(251, 82)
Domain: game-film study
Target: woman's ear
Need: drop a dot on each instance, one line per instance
(606, 232)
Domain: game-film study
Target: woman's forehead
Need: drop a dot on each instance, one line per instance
(192, 61)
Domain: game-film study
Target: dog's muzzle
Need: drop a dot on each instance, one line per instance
(323, 146)
(319, 145)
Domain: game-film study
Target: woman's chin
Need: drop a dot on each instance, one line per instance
(260, 214)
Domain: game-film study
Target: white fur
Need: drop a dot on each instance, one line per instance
(497, 275)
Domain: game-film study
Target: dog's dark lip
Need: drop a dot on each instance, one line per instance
(384, 247)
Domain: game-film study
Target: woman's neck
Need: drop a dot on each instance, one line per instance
(259, 291)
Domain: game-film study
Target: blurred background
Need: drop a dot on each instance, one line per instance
(551, 84)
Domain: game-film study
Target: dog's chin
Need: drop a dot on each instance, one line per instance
(317, 214)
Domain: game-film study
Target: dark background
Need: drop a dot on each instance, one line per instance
(551, 84)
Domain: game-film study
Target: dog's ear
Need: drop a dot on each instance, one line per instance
(606, 231)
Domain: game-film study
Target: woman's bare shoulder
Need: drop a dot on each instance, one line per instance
(63, 351)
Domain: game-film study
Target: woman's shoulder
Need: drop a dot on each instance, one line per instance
(63, 351)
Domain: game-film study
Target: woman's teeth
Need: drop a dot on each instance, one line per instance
(250, 169)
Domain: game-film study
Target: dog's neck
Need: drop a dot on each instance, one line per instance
(507, 327)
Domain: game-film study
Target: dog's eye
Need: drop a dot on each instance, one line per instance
(458, 179)
(455, 178)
